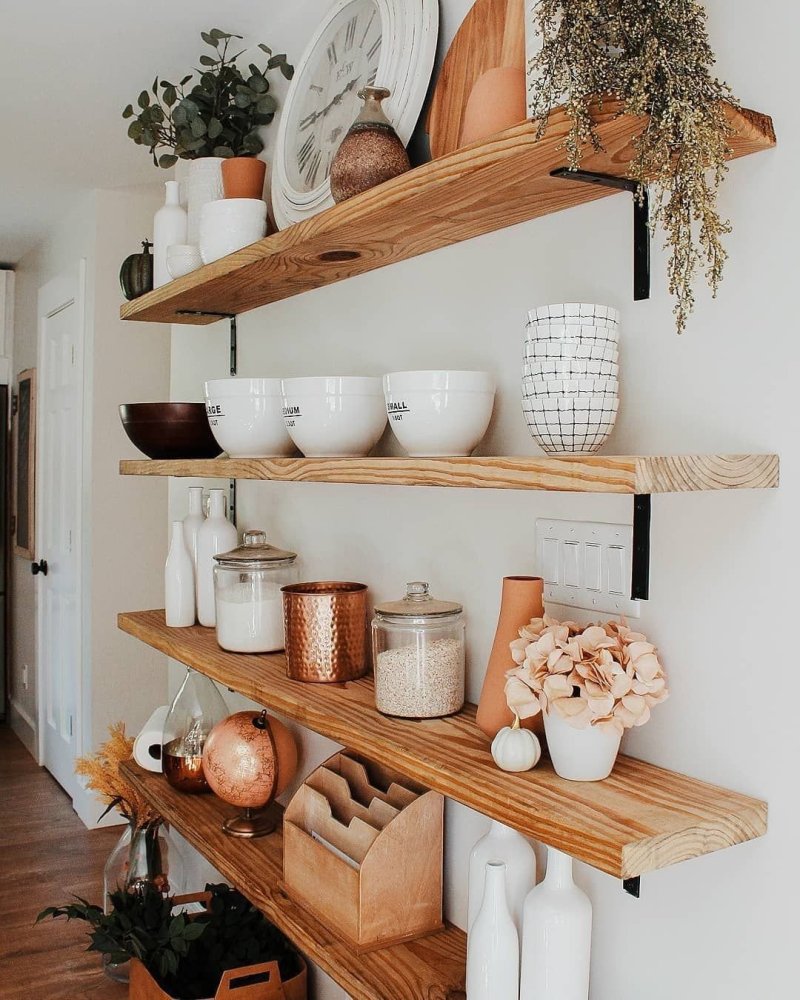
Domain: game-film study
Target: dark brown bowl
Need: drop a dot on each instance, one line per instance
(169, 430)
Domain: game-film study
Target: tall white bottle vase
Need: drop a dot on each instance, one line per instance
(557, 936)
(493, 943)
(169, 227)
(179, 588)
(502, 843)
(204, 185)
(193, 521)
(216, 534)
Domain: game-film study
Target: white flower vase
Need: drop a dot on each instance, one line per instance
(204, 185)
(581, 754)
(493, 943)
(502, 843)
(557, 936)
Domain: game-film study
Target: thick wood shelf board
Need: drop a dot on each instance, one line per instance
(493, 184)
(582, 474)
(640, 819)
(431, 968)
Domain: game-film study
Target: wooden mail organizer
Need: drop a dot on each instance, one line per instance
(363, 852)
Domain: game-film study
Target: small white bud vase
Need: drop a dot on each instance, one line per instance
(178, 581)
(193, 521)
(502, 843)
(587, 754)
(169, 227)
(216, 534)
(557, 936)
(493, 943)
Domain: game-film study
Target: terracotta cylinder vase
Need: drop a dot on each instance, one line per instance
(243, 177)
(521, 600)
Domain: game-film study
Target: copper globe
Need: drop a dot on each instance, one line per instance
(248, 759)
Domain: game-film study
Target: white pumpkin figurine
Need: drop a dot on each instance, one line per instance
(515, 748)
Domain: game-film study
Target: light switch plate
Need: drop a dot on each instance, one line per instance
(587, 564)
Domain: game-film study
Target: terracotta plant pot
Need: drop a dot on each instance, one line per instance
(243, 177)
(521, 600)
(496, 102)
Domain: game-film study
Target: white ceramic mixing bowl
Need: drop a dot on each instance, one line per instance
(334, 416)
(246, 417)
(439, 413)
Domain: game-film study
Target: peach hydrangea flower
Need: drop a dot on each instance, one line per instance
(597, 675)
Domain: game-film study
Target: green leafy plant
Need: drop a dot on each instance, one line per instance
(221, 114)
(655, 57)
(186, 955)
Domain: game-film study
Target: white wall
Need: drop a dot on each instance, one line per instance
(124, 362)
(722, 585)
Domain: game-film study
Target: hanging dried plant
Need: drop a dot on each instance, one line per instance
(655, 57)
(103, 776)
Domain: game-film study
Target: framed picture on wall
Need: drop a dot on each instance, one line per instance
(23, 481)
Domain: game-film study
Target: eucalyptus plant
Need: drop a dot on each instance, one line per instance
(220, 115)
(654, 56)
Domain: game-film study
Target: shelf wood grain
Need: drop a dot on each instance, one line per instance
(640, 819)
(499, 182)
(429, 968)
(583, 474)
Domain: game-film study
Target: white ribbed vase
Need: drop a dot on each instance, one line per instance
(204, 185)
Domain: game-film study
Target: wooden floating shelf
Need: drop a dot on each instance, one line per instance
(628, 474)
(430, 968)
(499, 182)
(640, 819)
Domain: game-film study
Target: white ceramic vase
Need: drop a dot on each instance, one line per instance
(169, 227)
(193, 521)
(502, 843)
(493, 943)
(216, 535)
(581, 754)
(204, 185)
(179, 581)
(557, 936)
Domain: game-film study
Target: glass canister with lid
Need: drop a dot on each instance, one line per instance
(247, 589)
(418, 653)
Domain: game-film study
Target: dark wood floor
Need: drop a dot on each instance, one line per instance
(46, 854)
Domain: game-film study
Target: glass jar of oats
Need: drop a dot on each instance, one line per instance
(418, 654)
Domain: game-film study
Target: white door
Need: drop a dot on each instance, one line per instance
(58, 543)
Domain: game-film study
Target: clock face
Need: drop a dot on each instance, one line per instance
(326, 103)
(386, 43)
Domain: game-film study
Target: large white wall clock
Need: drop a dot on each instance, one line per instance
(388, 43)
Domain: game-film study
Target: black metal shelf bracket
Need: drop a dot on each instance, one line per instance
(640, 570)
(233, 367)
(641, 221)
(633, 886)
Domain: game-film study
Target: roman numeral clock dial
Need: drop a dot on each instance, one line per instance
(359, 43)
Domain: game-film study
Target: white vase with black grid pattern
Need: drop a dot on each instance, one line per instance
(570, 376)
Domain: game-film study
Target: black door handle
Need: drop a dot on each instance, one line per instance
(40, 567)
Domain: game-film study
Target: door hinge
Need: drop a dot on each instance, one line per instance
(13, 524)
(70, 727)
(14, 404)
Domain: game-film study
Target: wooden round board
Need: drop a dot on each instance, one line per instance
(492, 35)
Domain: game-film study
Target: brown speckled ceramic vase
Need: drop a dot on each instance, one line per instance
(370, 153)
(522, 600)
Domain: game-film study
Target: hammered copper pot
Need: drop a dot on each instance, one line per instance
(326, 631)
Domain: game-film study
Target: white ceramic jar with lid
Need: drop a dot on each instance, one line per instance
(249, 602)
(418, 652)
